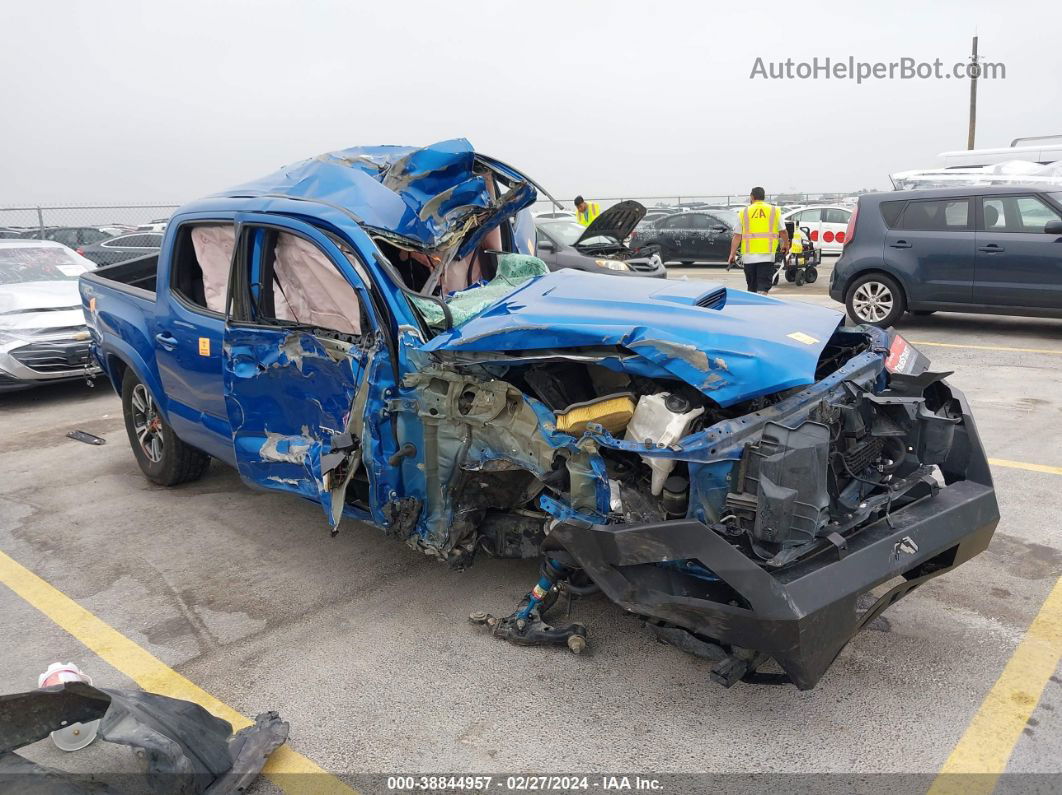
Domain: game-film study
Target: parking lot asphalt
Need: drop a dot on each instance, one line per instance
(364, 646)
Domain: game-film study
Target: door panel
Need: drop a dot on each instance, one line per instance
(188, 340)
(296, 391)
(933, 248)
(1017, 263)
(717, 242)
(671, 234)
(290, 395)
(696, 244)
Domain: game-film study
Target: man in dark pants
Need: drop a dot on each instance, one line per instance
(760, 235)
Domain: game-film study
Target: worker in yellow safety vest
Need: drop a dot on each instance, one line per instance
(760, 236)
(587, 211)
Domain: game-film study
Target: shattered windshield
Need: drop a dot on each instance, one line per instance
(514, 270)
(567, 232)
(38, 264)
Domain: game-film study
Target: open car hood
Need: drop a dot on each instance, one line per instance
(617, 221)
(729, 344)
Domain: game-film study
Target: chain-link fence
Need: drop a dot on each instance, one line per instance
(703, 201)
(77, 225)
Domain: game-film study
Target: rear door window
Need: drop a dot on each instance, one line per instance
(937, 215)
(202, 260)
(890, 212)
(833, 215)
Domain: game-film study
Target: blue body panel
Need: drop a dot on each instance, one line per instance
(271, 401)
(743, 346)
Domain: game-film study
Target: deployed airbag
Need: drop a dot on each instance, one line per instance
(311, 290)
(213, 246)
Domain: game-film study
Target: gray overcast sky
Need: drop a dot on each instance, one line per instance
(168, 101)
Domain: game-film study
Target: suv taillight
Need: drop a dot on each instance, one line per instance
(849, 233)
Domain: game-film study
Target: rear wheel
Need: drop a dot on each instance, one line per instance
(162, 457)
(875, 299)
(811, 274)
(800, 278)
(790, 275)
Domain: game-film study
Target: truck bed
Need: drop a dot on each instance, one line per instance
(139, 273)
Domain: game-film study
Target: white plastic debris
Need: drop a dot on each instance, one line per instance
(77, 735)
(653, 421)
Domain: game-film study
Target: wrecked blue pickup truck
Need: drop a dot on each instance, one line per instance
(369, 329)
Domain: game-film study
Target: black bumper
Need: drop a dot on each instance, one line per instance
(803, 615)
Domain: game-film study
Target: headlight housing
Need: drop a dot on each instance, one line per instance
(612, 264)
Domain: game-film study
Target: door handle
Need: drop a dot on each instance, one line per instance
(166, 340)
(991, 248)
(900, 244)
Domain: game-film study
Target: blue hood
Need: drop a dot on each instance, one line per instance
(730, 344)
(432, 196)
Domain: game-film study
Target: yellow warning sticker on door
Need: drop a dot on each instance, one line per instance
(800, 336)
(204, 346)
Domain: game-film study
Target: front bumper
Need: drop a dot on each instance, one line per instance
(27, 363)
(651, 266)
(802, 614)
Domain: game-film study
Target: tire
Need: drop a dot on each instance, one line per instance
(790, 275)
(875, 299)
(162, 457)
(923, 312)
(800, 278)
(811, 274)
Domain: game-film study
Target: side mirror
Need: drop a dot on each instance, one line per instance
(545, 245)
(1053, 227)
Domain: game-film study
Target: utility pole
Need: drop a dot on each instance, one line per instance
(975, 70)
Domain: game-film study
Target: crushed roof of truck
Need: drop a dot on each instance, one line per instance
(432, 196)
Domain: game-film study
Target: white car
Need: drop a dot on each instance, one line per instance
(826, 223)
(43, 337)
(552, 215)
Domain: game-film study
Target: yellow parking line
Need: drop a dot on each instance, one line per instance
(1003, 462)
(986, 347)
(287, 768)
(981, 755)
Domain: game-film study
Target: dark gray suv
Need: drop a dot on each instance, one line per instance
(972, 249)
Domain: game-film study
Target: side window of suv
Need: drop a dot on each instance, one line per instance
(890, 213)
(937, 215)
(1015, 214)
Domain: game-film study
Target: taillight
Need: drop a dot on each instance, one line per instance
(849, 233)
